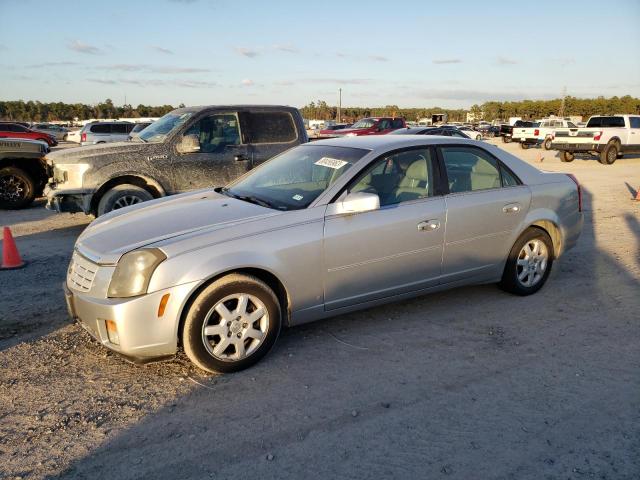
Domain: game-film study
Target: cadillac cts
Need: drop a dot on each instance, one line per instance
(321, 229)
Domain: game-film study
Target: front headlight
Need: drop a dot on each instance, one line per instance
(71, 173)
(133, 273)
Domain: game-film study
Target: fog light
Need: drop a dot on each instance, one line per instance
(112, 332)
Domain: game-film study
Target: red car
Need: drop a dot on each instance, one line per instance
(373, 126)
(14, 130)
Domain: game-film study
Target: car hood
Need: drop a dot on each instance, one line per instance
(103, 150)
(110, 236)
(345, 131)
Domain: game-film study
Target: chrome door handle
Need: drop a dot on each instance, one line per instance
(428, 225)
(511, 208)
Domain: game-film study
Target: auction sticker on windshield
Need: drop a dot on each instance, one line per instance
(331, 163)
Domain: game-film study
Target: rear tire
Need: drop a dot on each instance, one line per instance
(222, 334)
(567, 157)
(523, 145)
(122, 196)
(506, 139)
(17, 188)
(610, 153)
(529, 263)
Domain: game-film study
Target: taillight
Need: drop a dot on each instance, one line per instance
(536, 132)
(572, 177)
(596, 136)
(83, 137)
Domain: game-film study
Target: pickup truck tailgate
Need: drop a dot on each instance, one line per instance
(573, 136)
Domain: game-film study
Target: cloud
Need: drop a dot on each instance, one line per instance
(284, 83)
(246, 52)
(80, 47)
(247, 82)
(506, 61)
(52, 64)
(155, 82)
(446, 61)
(102, 81)
(378, 58)
(159, 49)
(286, 48)
(127, 67)
(342, 55)
(340, 81)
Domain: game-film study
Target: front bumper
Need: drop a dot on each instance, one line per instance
(576, 147)
(143, 336)
(72, 201)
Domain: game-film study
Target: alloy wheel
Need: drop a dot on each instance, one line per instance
(235, 327)
(12, 188)
(532, 262)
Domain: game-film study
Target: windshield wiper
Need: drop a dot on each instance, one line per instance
(248, 198)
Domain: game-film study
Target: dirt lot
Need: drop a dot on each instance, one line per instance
(468, 384)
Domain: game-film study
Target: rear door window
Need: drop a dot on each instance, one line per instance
(397, 123)
(269, 127)
(470, 169)
(121, 128)
(635, 122)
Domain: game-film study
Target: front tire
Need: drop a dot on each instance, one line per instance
(567, 157)
(506, 139)
(547, 144)
(610, 153)
(17, 188)
(122, 196)
(529, 263)
(232, 324)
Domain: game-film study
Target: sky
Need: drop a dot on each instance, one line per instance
(451, 54)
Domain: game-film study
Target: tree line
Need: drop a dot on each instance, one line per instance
(489, 111)
(20, 110)
(31, 111)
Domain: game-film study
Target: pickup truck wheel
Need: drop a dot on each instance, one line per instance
(523, 145)
(231, 324)
(567, 157)
(122, 196)
(609, 154)
(529, 263)
(17, 188)
(547, 144)
(506, 139)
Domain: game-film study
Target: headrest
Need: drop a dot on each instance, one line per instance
(418, 170)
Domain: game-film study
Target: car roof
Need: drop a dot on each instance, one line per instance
(389, 142)
(200, 108)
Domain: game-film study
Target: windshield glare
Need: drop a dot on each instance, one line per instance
(158, 131)
(295, 178)
(364, 123)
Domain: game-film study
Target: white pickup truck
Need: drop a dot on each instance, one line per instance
(608, 137)
(540, 133)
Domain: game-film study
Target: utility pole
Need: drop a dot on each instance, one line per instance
(562, 104)
(339, 105)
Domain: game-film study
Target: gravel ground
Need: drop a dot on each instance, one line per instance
(470, 383)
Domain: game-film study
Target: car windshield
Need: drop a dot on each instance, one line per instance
(364, 123)
(158, 131)
(295, 178)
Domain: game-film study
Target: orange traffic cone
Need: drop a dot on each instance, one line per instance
(637, 195)
(10, 256)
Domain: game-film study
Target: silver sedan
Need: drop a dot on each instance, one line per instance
(324, 228)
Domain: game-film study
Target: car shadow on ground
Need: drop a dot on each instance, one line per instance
(472, 382)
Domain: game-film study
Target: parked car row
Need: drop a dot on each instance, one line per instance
(17, 130)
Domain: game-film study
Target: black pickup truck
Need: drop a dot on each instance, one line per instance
(23, 171)
(187, 149)
(506, 130)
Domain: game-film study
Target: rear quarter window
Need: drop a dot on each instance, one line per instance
(100, 128)
(635, 122)
(270, 127)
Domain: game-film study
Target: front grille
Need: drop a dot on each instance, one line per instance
(81, 273)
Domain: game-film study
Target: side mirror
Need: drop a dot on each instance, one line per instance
(189, 144)
(357, 202)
